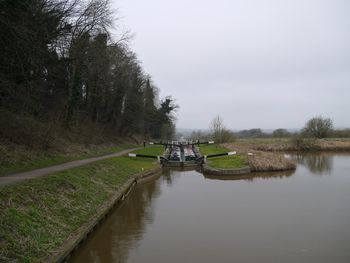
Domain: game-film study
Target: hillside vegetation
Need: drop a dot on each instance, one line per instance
(64, 79)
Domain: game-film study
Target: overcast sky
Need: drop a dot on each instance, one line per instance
(256, 63)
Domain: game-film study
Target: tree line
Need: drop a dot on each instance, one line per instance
(317, 127)
(59, 63)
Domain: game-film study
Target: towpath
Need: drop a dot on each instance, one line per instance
(17, 177)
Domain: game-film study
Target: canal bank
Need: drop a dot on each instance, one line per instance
(49, 215)
(243, 161)
(73, 243)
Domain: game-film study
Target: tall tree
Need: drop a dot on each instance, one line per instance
(150, 110)
(29, 29)
(58, 63)
(133, 102)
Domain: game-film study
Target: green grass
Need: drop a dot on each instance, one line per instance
(37, 216)
(18, 164)
(232, 161)
(206, 149)
(151, 150)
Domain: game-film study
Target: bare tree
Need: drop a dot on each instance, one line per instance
(93, 17)
(216, 127)
(219, 131)
(318, 127)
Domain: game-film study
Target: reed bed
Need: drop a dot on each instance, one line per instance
(264, 161)
(261, 161)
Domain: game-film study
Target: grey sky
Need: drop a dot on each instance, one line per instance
(256, 63)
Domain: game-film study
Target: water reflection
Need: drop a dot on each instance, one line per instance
(168, 172)
(182, 218)
(251, 177)
(316, 163)
(122, 229)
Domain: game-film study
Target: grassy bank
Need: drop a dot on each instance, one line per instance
(263, 161)
(14, 158)
(259, 161)
(157, 150)
(207, 149)
(232, 161)
(268, 162)
(37, 216)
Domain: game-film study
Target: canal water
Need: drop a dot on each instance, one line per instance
(185, 216)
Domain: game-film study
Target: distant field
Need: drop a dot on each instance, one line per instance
(280, 140)
(291, 144)
(264, 141)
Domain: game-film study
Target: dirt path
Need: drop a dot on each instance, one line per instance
(14, 178)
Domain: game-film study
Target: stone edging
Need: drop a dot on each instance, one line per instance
(234, 171)
(70, 245)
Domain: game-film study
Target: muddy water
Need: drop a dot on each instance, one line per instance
(303, 216)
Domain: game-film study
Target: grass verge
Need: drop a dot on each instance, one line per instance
(152, 150)
(16, 161)
(232, 161)
(206, 149)
(37, 216)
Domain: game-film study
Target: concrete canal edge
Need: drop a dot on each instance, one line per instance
(233, 171)
(63, 253)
